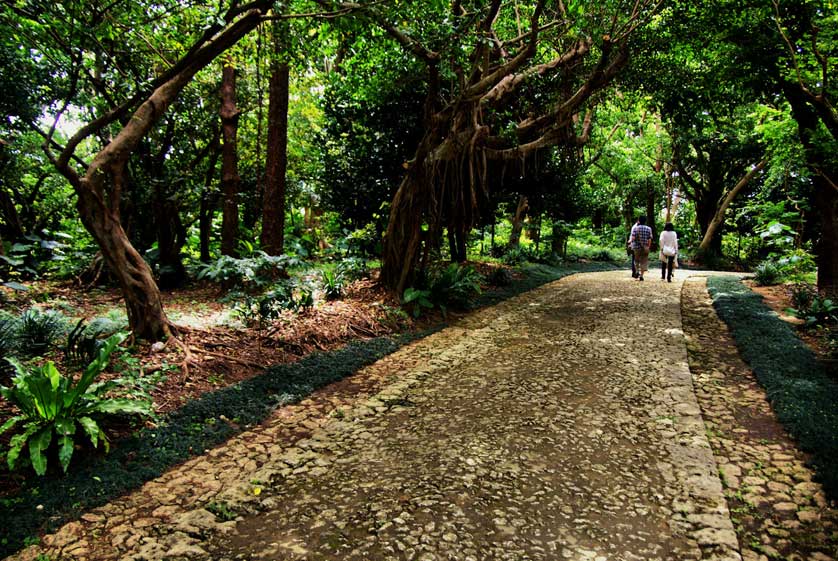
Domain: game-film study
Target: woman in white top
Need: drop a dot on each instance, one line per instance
(669, 249)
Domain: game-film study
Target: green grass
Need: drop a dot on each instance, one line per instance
(803, 397)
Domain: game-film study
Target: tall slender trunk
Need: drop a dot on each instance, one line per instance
(518, 222)
(276, 162)
(651, 197)
(209, 201)
(230, 180)
(826, 197)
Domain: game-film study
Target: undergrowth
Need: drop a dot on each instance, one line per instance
(802, 395)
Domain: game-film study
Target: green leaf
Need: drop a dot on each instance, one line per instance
(122, 405)
(17, 443)
(92, 429)
(95, 368)
(38, 445)
(65, 427)
(65, 451)
(11, 422)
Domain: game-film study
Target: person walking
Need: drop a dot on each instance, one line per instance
(630, 251)
(668, 251)
(641, 243)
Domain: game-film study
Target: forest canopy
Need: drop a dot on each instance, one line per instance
(142, 141)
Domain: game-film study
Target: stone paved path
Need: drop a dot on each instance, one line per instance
(561, 424)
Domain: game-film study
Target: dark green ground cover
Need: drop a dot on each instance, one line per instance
(44, 504)
(803, 396)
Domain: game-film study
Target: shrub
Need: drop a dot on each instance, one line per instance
(513, 257)
(821, 312)
(353, 268)
(8, 343)
(500, 277)
(796, 263)
(81, 348)
(332, 284)
(802, 295)
(417, 299)
(54, 408)
(251, 273)
(36, 330)
(455, 286)
(767, 273)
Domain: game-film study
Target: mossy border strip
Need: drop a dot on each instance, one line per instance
(803, 396)
(43, 505)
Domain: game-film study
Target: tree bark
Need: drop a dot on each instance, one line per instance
(276, 161)
(719, 217)
(826, 250)
(142, 297)
(825, 181)
(230, 181)
(518, 222)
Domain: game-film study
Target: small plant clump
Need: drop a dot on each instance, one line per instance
(54, 408)
(767, 273)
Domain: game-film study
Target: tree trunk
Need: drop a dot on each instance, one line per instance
(230, 180)
(142, 297)
(209, 200)
(276, 162)
(558, 239)
(705, 210)
(518, 222)
(650, 211)
(826, 197)
(719, 217)
(171, 236)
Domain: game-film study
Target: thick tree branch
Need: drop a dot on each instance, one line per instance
(719, 217)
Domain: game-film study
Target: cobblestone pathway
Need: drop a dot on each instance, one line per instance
(561, 424)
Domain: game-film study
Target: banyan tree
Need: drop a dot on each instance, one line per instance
(509, 80)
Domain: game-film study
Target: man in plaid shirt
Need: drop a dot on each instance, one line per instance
(641, 242)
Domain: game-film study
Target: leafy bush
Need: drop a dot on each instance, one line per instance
(821, 312)
(8, 343)
(353, 268)
(32, 255)
(53, 408)
(417, 299)
(767, 273)
(500, 277)
(455, 286)
(796, 263)
(36, 330)
(513, 257)
(251, 273)
(802, 295)
(81, 348)
(332, 283)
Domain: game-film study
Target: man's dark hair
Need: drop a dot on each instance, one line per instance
(642, 219)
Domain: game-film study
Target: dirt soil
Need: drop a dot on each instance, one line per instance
(779, 299)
